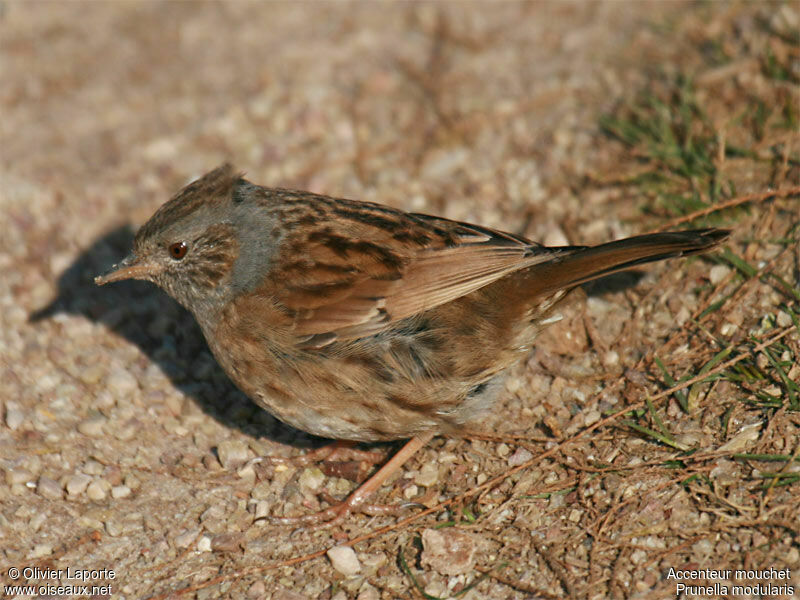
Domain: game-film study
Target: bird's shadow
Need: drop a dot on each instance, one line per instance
(165, 332)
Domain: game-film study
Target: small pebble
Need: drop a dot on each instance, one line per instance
(233, 454)
(261, 491)
(718, 273)
(372, 562)
(428, 475)
(611, 358)
(37, 521)
(104, 400)
(311, 479)
(174, 404)
(92, 427)
(410, 492)
(214, 511)
(227, 542)
(120, 491)
(591, 417)
(78, 483)
(98, 489)
(121, 383)
(114, 527)
(748, 433)
(128, 431)
(257, 591)
(261, 510)
(14, 416)
(92, 374)
(186, 538)
(368, 593)
(448, 551)
(204, 544)
(41, 550)
(344, 560)
(92, 467)
(247, 473)
(522, 455)
(783, 320)
(49, 488)
(18, 475)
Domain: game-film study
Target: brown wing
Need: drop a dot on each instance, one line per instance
(361, 267)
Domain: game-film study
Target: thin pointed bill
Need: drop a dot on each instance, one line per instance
(129, 268)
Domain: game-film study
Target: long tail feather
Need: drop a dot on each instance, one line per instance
(581, 264)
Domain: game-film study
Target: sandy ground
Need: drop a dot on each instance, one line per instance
(124, 446)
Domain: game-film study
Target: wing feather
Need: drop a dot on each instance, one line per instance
(355, 276)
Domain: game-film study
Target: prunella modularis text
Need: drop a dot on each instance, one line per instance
(356, 321)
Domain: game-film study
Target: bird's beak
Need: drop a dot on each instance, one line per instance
(131, 267)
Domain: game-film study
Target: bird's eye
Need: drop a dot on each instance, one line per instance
(178, 250)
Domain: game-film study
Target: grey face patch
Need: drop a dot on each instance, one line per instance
(257, 245)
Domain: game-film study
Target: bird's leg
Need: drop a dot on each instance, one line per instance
(356, 500)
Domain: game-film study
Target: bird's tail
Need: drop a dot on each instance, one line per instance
(579, 264)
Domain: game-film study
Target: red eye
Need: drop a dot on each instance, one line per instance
(178, 250)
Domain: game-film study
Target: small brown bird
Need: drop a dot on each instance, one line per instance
(356, 321)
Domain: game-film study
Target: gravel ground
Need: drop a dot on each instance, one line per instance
(124, 446)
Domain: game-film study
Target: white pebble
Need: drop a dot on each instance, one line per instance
(261, 510)
(428, 475)
(121, 383)
(18, 475)
(204, 544)
(92, 467)
(120, 491)
(611, 358)
(41, 550)
(718, 273)
(311, 479)
(77, 484)
(344, 560)
(410, 492)
(97, 489)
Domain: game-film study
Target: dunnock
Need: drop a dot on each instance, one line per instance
(356, 321)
